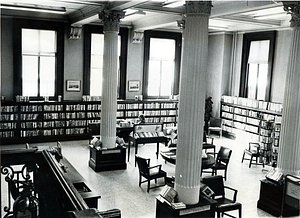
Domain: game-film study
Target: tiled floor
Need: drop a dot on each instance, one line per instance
(119, 189)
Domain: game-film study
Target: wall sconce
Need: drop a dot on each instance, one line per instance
(75, 32)
(137, 37)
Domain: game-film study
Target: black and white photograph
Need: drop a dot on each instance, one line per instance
(130, 108)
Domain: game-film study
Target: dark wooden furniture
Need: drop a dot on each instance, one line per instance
(60, 187)
(224, 204)
(142, 128)
(205, 209)
(170, 156)
(149, 172)
(222, 161)
(107, 159)
(291, 196)
(253, 151)
(270, 197)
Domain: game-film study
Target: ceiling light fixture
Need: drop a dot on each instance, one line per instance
(36, 8)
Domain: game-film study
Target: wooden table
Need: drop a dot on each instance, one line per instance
(170, 157)
(137, 141)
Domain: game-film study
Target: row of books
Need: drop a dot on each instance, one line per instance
(94, 107)
(75, 131)
(76, 123)
(7, 134)
(56, 107)
(9, 108)
(77, 107)
(31, 125)
(264, 105)
(8, 125)
(54, 116)
(93, 115)
(9, 117)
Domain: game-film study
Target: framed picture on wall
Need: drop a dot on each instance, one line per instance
(73, 85)
(134, 86)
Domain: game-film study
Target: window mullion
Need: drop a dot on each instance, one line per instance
(256, 86)
(39, 73)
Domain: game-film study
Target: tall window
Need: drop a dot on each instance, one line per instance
(258, 69)
(161, 64)
(161, 67)
(93, 64)
(38, 58)
(257, 62)
(97, 44)
(38, 62)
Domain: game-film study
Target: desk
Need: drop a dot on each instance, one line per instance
(170, 157)
(205, 208)
(137, 141)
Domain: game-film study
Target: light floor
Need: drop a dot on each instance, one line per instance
(119, 189)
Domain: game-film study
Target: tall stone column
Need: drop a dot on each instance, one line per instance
(191, 101)
(111, 21)
(289, 144)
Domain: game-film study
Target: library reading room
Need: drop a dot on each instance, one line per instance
(150, 108)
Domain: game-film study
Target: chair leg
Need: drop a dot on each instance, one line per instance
(250, 161)
(140, 180)
(243, 157)
(225, 172)
(218, 214)
(240, 212)
(148, 186)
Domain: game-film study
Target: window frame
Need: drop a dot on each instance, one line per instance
(59, 27)
(247, 39)
(88, 31)
(178, 44)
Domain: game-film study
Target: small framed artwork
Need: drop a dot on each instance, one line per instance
(73, 85)
(134, 86)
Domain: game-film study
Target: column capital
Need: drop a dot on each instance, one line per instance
(111, 19)
(293, 8)
(198, 8)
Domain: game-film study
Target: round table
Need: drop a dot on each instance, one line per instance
(170, 156)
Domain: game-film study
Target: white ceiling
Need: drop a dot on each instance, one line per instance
(225, 16)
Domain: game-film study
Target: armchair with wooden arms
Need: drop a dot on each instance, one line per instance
(224, 204)
(149, 172)
(253, 151)
(222, 161)
(208, 145)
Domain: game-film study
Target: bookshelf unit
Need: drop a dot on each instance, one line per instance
(51, 121)
(258, 118)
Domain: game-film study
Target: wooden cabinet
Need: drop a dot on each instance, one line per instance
(23, 122)
(270, 197)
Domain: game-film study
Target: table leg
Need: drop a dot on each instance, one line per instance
(129, 142)
(157, 150)
(136, 150)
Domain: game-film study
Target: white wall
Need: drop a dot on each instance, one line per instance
(135, 60)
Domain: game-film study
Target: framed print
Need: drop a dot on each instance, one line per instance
(73, 85)
(134, 86)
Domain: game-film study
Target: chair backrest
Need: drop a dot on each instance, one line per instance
(215, 122)
(143, 164)
(216, 184)
(224, 155)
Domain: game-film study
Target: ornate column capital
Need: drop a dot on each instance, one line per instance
(111, 19)
(198, 8)
(293, 8)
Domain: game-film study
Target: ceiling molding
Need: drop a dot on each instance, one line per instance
(249, 20)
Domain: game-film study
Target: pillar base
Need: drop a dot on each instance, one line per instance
(187, 195)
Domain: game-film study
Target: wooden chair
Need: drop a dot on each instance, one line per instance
(215, 124)
(206, 145)
(254, 152)
(224, 204)
(222, 161)
(149, 172)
